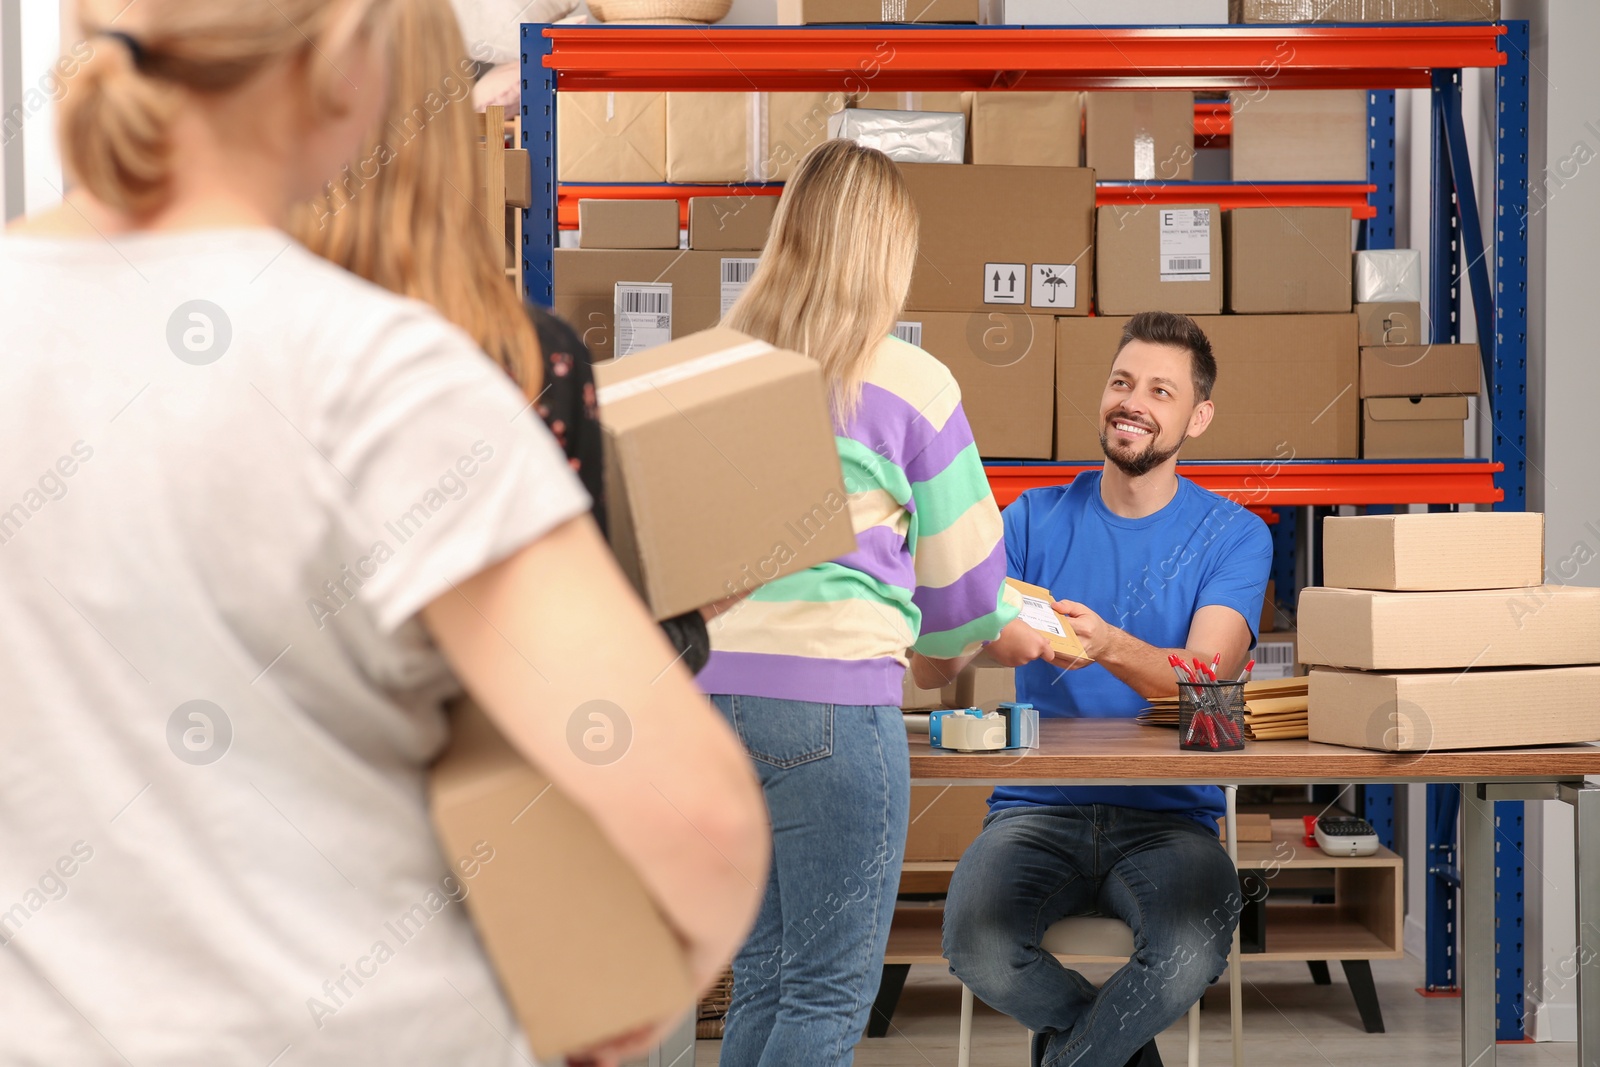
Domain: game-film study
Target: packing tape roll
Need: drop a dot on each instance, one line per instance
(678, 372)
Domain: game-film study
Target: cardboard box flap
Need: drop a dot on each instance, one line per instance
(1419, 408)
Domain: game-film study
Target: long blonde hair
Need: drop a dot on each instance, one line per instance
(834, 275)
(404, 215)
(117, 115)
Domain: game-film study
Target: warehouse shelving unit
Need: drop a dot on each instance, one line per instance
(1376, 58)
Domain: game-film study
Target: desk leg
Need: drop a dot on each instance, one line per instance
(1476, 959)
(1586, 811)
(1235, 972)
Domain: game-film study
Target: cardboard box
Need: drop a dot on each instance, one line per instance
(1106, 12)
(1292, 259)
(730, 223)
(1005, 365)
(570, 984)
(1003, 238)
(1543, 626)
(944, 821)
(1156, 256)
(1277, 656)
(795, 124)
(1286, 388)
(611, 137)
(1022, 129)
(1269, 608)
(1139, 136)
(904, 136)
(980, 686)
(1364, 10)
(586, 281)
(914, 698)
(1417, 427)
(721, 468)
(709, 137)
(1421, 370)
(913, 101)
(1434, 552)
(1038, 611)
(1421, 712)
(1284, 135)
(1390, 323)
(814, 12)
(1388, 276)
(627, 224)
(1253, 826)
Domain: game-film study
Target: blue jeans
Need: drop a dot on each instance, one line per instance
(1164, 875)
(837, 780)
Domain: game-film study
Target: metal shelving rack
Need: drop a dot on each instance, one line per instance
(1376, 58)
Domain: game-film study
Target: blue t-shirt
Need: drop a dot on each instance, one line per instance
(1145, 576)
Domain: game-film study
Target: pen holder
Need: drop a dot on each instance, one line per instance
(1211, 716)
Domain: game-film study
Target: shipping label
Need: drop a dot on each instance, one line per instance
(644, 316)
(1054, 285)
(1186, 245)
(1005, 283)
(909, 332)
(1040, 615)
(736, 274)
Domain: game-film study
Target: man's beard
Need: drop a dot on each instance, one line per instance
(1141, 463)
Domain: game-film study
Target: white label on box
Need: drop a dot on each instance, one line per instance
(1055, 285)
(909, 332)
(1186, 244)
(1040, 615)
(1005, 283)
(1274, 659)
(644, 316)
(736, 274)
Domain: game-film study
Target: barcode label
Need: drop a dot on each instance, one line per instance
(1186, 244)
(736, 274)
(644, 316)
(1276, 653)
(909, 332)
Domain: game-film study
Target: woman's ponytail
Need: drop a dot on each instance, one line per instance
(114, 126)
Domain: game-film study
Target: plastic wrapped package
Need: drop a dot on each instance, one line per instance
(905, 136)
(1389, 276)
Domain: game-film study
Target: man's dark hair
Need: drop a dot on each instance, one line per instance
(1179, 331)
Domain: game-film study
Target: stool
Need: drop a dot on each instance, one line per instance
(1082, 938)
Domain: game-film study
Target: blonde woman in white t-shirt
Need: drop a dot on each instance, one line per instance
(256, 517)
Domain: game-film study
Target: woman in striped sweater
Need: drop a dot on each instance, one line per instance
(809, 667)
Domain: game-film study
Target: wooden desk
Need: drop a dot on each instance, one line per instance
(1121, 752)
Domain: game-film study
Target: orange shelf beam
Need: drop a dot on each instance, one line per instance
(1303, 483)
(1228, 195)
(828, 59)
(1213, 124)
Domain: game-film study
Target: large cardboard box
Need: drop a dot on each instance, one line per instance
(1106, 12)
(1285, 135)
(1290, 259)
(1162, 257)
(730, 223)
(1416, 427)
(1392, 323)
(586, 282)
(1425, 711)
(1434, 552)
(814, 12)
(1027, 129)
(979, 686)
(1286, 387)
(1364, 10)
(1005, 366)
(795, 124)
(1421, 370)
(627, 224)
(1003, 238)
(571, 984)
(944, 821)
(1547, 625)
(721, 468)
(738, 137)
(611, 137)
(1139, 136)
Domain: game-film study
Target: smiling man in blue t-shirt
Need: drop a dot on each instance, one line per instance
(1145, 564)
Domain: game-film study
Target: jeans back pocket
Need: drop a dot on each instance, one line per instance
(783, 733)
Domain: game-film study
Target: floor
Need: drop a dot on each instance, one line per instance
(1287, 1020)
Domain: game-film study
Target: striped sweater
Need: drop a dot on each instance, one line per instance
(929, 568)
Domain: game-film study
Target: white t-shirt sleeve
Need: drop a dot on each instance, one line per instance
(438, 466)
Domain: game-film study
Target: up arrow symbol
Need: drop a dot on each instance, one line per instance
(997, 281)
(1013, 282)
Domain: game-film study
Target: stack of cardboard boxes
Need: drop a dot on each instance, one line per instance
(1436, 632)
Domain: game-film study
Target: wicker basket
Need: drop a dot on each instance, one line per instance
(713, 1014)
(680, 11)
